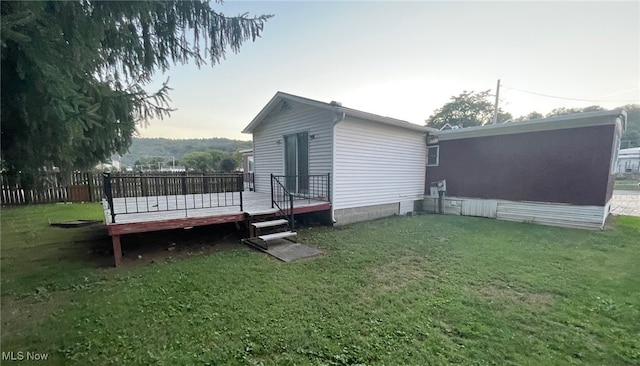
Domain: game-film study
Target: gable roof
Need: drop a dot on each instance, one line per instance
(281, 96)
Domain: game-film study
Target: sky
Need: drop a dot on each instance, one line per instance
(406, 59)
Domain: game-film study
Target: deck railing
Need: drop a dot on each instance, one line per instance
(309, 188)
(140, 193)
(305, 188)
(282, 199)
(249, 182)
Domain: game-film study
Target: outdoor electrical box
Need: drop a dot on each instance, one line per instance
(433, 190)
(437, 191)
(436, 187)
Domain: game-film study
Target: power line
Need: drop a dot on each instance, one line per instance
(575, 99)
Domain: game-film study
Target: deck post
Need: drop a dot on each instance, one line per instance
(329, 187)
(291, 208)
(271, 190)
(108, 192)
(241, 186)
(117, 250)
(89, 181)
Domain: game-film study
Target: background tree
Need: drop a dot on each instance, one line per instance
(204, 161)
(630, 138)
(563, 111)
(73, 73)
(228, 165)
(466, 110)
(176, 149)
(530, 116)
(149, 163)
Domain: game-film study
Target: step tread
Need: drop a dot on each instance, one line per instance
(274, 236)
(263, 212)
(260, 225)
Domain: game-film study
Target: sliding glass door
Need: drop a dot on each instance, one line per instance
(296, 162)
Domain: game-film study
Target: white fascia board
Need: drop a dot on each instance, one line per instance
(279, 96)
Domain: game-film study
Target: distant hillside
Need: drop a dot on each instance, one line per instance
(170, 148)
(631, 138)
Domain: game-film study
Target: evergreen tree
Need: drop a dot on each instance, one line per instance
(74, 72)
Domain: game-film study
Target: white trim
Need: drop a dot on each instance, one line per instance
(600, 118)
(437, 147)
(280, 96)
(615, 154)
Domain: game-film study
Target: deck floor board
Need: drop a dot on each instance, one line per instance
(163, 208)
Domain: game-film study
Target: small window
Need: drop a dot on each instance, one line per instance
(433, 155)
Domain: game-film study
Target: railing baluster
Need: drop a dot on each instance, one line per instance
(140, 186)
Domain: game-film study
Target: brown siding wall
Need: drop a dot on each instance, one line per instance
(565, 166)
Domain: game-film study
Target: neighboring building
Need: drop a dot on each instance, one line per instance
(628, 161)
(247, 169)
(555, 171)
(376, 164)
(247, 160)
(173, 169)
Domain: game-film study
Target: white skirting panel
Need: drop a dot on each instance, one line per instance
(554, 214)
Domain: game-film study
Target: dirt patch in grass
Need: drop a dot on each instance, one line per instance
(534, 301)
(169, 245)
(400, 272)
(27, 313)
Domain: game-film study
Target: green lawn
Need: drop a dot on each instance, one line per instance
(630, 183)
(425, 290)
(627, 185)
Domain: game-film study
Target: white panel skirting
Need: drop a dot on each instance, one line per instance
(553, 214)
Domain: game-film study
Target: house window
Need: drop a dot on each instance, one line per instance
(433, 155)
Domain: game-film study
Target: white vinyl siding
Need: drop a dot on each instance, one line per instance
(377, 164)
(269, 155)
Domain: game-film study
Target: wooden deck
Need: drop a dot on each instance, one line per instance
(155, 213)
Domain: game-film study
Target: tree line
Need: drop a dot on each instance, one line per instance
(475, 109)
(169, 150)
(201, 161)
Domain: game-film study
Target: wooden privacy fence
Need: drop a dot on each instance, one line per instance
(88, 186)
(52, 187)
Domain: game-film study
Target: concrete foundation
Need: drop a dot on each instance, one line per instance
(357, 214)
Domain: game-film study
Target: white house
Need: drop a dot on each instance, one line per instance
(375, 165)
(628, 160)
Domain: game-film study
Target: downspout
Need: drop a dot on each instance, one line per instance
(339, 118)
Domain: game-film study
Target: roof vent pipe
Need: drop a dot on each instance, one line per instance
(335, 104)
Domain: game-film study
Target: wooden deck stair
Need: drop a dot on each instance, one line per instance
(265, 228)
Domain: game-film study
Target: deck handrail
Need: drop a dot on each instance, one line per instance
(171, 192)
(108, 193)
(309, 187)
(279, 195)
(316, 187)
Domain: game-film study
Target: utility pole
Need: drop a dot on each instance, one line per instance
(495, 108)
